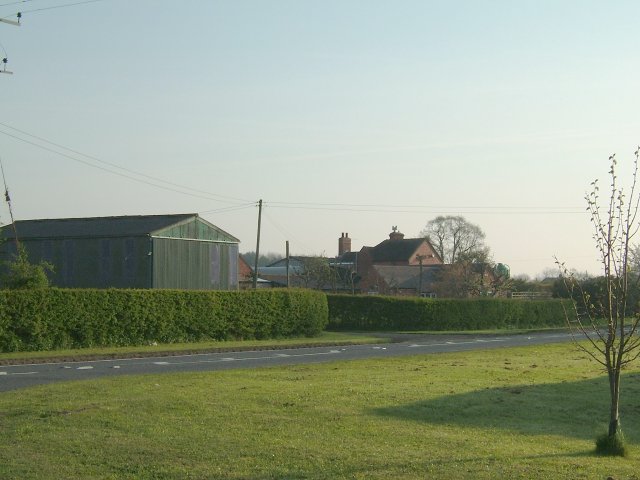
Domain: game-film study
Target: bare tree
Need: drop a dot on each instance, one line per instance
(454, 238)
(316, 273)
(607, 320)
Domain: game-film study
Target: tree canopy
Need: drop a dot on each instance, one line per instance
(455, 239)
(22, 274)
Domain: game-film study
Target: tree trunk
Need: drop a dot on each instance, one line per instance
(614, 415)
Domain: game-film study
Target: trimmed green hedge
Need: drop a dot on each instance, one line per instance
(49, 319)
(370, 313)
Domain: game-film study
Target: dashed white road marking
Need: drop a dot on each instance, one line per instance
(446, 344)
(3, 373)
(244, 359)
(85, 367)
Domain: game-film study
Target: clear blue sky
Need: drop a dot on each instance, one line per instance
(343, 116)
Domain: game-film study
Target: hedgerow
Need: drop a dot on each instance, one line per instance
(347, 312)
(48, 319)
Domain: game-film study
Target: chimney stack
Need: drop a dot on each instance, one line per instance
(395, 234)
(344, 244)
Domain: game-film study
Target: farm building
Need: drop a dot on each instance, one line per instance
(180, 251)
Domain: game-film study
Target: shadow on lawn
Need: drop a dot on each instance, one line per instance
(577, 409)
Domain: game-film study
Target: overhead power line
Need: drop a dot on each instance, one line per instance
(241, 203)
(15, 3)
(373, 205)
(424, 209)
(114, 165)
(230, 209)
(53, 7)
(124, 172)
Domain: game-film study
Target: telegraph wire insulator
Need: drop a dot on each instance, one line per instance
(12, 22)
(4, 67)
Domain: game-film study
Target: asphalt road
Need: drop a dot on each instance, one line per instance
(13, 377)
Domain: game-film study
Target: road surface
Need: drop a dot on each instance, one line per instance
(13, 377)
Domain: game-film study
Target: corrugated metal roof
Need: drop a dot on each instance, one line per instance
(130, 225)
(297, 260)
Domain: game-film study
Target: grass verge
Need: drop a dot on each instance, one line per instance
(509, 413)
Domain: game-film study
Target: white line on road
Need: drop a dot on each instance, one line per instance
(448, 344)
(244, 359)
(86, 367)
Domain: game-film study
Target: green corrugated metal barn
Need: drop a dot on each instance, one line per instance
(180, 251)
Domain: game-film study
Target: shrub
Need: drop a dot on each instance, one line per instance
(22, 274)
(394, 313)
(54, 318)
(611, 445)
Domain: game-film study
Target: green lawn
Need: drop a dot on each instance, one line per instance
(518, 413)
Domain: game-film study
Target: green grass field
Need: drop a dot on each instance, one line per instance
(517, 413)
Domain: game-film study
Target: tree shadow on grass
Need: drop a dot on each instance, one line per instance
(574, 409)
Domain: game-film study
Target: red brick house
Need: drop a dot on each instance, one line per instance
(394, 266)
(245, 274)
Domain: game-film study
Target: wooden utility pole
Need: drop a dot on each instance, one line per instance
(7, 199)
(255, 271)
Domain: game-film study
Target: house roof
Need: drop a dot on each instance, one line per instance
(347, 257)
(280, 270)
(395, 250)
(130, 225)
(298, 261)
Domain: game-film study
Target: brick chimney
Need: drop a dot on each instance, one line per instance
(395, 234)
(344, 244)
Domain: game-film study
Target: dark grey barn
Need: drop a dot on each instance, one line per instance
(147, 251)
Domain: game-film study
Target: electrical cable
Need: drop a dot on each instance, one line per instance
(217, 197)
(15, 3)
(422, 210)
(230, 209)
(377, 205)
(210, 197)
(283, 231)
(156, 179)
(64, 5)
(340, 207)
